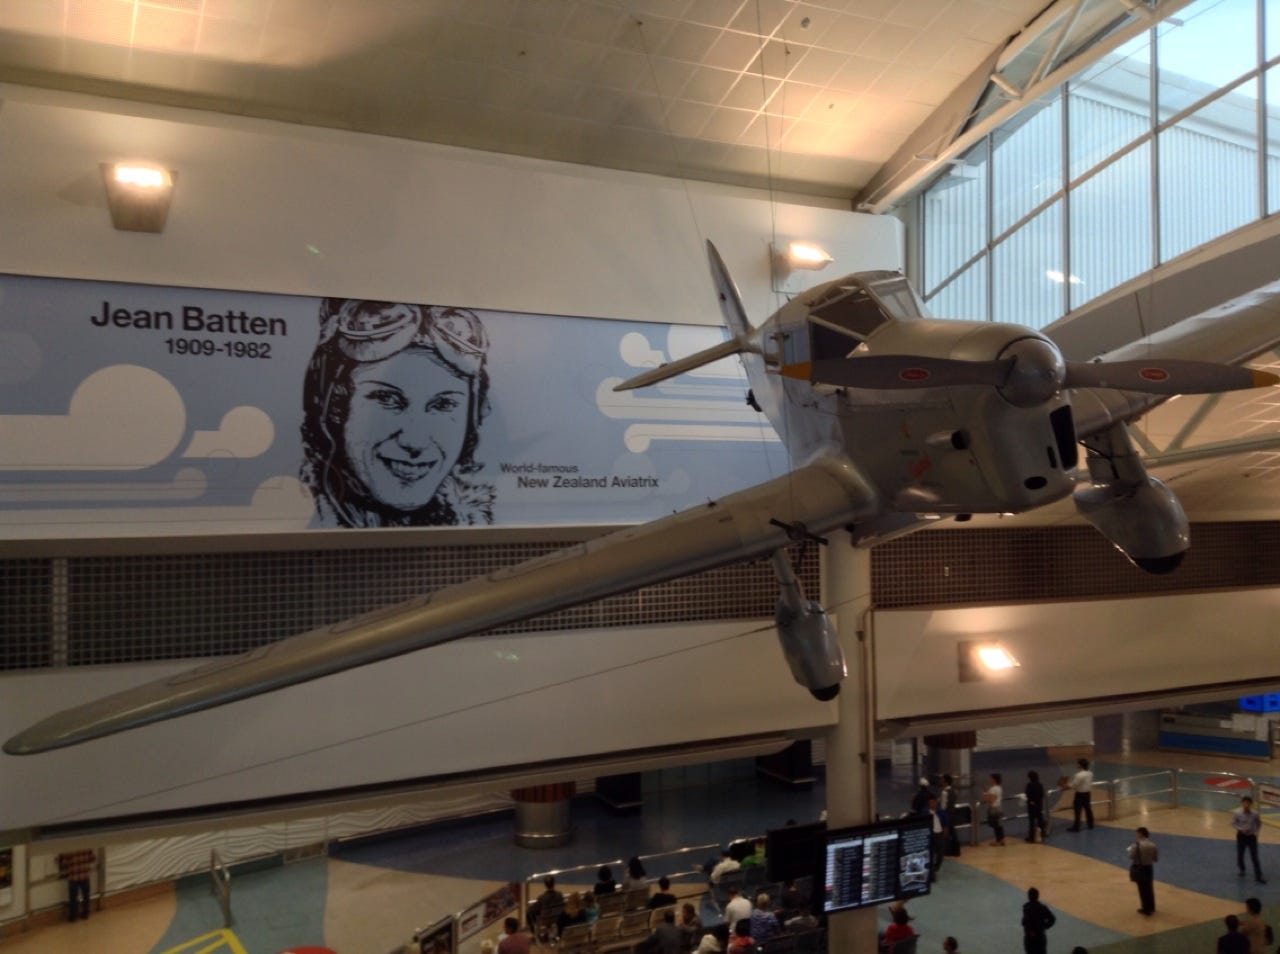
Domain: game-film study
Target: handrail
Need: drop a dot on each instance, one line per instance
(220, 875)
(558, 872)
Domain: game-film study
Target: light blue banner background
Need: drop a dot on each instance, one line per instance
(115, 420)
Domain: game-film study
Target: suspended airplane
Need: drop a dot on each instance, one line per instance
(891, 418)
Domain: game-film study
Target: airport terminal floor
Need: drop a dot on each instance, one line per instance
(367, 897)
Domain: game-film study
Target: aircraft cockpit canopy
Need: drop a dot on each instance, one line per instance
(849, 312)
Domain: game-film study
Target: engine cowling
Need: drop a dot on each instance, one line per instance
(811, 647)
(1144, 521)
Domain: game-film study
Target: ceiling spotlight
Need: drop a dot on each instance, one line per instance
(796, 256)
(138, 194)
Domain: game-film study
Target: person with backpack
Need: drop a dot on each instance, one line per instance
(1036, 921)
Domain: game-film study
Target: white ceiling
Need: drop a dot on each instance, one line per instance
(802, 96)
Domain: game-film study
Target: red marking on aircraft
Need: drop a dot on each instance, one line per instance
(918, 468)
(1154, 374)
(914, 374)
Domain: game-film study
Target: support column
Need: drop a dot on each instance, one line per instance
(542, 815)
(846, 586)
(952, 754)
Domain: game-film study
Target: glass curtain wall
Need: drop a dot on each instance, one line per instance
(1148, 153)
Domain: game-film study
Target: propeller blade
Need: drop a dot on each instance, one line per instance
(1172, 376)
(898, 371)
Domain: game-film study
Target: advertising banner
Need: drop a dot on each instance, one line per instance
(138, 410)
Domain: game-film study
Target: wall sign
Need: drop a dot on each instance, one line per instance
(145, 410)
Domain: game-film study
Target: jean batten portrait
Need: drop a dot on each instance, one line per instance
(393, 400)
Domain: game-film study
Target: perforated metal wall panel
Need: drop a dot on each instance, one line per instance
(26, 613)
(942, 567)
(128, 609)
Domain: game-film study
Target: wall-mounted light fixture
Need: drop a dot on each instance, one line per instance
(138, 194)
(980, 661)
(795, 256)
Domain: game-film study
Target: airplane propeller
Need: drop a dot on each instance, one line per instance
(1033, 375)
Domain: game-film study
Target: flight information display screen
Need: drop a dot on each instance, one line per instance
(874, 864)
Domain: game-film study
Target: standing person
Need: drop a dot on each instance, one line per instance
(1248, 824)
(937, 839)
(1035, 807)
(920, 800)
(1143, 855)
(1036, 921)
(994, 797)
(946, 799)
(1253, 927)
(1082, 801)
(77, 868)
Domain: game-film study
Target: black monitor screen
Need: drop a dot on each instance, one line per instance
(792, 852)
(874, 864)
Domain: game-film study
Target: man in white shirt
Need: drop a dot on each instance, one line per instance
(737, 909)
(1248, 824)
(1082, 785)
(727, 863)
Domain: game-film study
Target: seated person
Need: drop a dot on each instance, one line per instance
(689, 922)
(604, 882)
(548, 900)
(756, 856)
(572, 913)
(899, 930)
(515, 941)
(741, 940)
(764, 923)
(1233, 942)
(666, 937)
(663, 897)
(727, 863)
(635, 875)
(737, 908)
(590, 907)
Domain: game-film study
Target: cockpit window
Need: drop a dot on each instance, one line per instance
(897, 295)
(848, 308)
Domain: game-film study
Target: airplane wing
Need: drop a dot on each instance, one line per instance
(1232, 333)
(816, 498)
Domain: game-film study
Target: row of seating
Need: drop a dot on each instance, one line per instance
(610, 905)
(623, 934)
(615, 933)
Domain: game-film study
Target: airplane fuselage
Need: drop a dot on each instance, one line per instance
(947, 450)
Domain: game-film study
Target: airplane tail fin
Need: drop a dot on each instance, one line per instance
(735, 319)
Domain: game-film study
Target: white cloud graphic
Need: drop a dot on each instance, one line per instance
(187, 484)
(279, 504)
(124, 417)
(682, 341)
(638, 353)
(244, 432)
(20, 357)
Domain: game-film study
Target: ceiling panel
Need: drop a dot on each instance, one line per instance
(454, 70)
